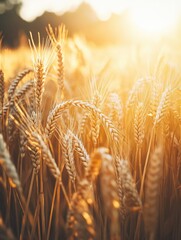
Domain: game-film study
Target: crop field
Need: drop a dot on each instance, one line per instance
(90, 140)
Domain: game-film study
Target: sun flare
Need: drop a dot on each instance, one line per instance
(154, 18)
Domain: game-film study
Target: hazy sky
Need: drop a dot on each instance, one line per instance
(33, 8)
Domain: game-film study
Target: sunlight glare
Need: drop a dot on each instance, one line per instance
(154, 18)
(104, 8)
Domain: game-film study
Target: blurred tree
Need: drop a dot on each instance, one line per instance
(9, 4)
(10, 21)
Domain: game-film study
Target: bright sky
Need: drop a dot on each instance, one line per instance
(33, 8)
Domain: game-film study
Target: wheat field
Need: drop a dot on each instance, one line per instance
(90, 143)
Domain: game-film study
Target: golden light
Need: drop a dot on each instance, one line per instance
(154, 18)
(116, 204)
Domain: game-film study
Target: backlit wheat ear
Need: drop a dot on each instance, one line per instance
(133, 93)
(95, 163)
(30, 136)
(109, 192)
(35, 154)
(23, 121)
(80, 222)
(152, 193)
(60, 68)
(123, 208)
(25, 89)
(68, 155)
(18, 96)
(95, 121)
(116, 110)
(155, 94)
(57, 111)
(23, 145)
(131, 198)
(166, 125)
(8, 166)
(80, 149)
(60, 60)
(39, 80)
(83, 122)
(42, 57)
(15, 82)
(47, 156)
(177, 114)
(163, 106)
(139, 124)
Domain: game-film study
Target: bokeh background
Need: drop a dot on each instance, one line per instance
(101, 22)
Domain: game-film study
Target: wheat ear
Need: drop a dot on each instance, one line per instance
(116, 110)
(163, 106)
(60, 59)
(139, 124)
(109, 192)
(80, 149)
(15, 82)
(152, 192)
(95, 121)
(47, 156)
(8, 166)
(56, 112)
(67, 148)
(130, 194)
(80, 222)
